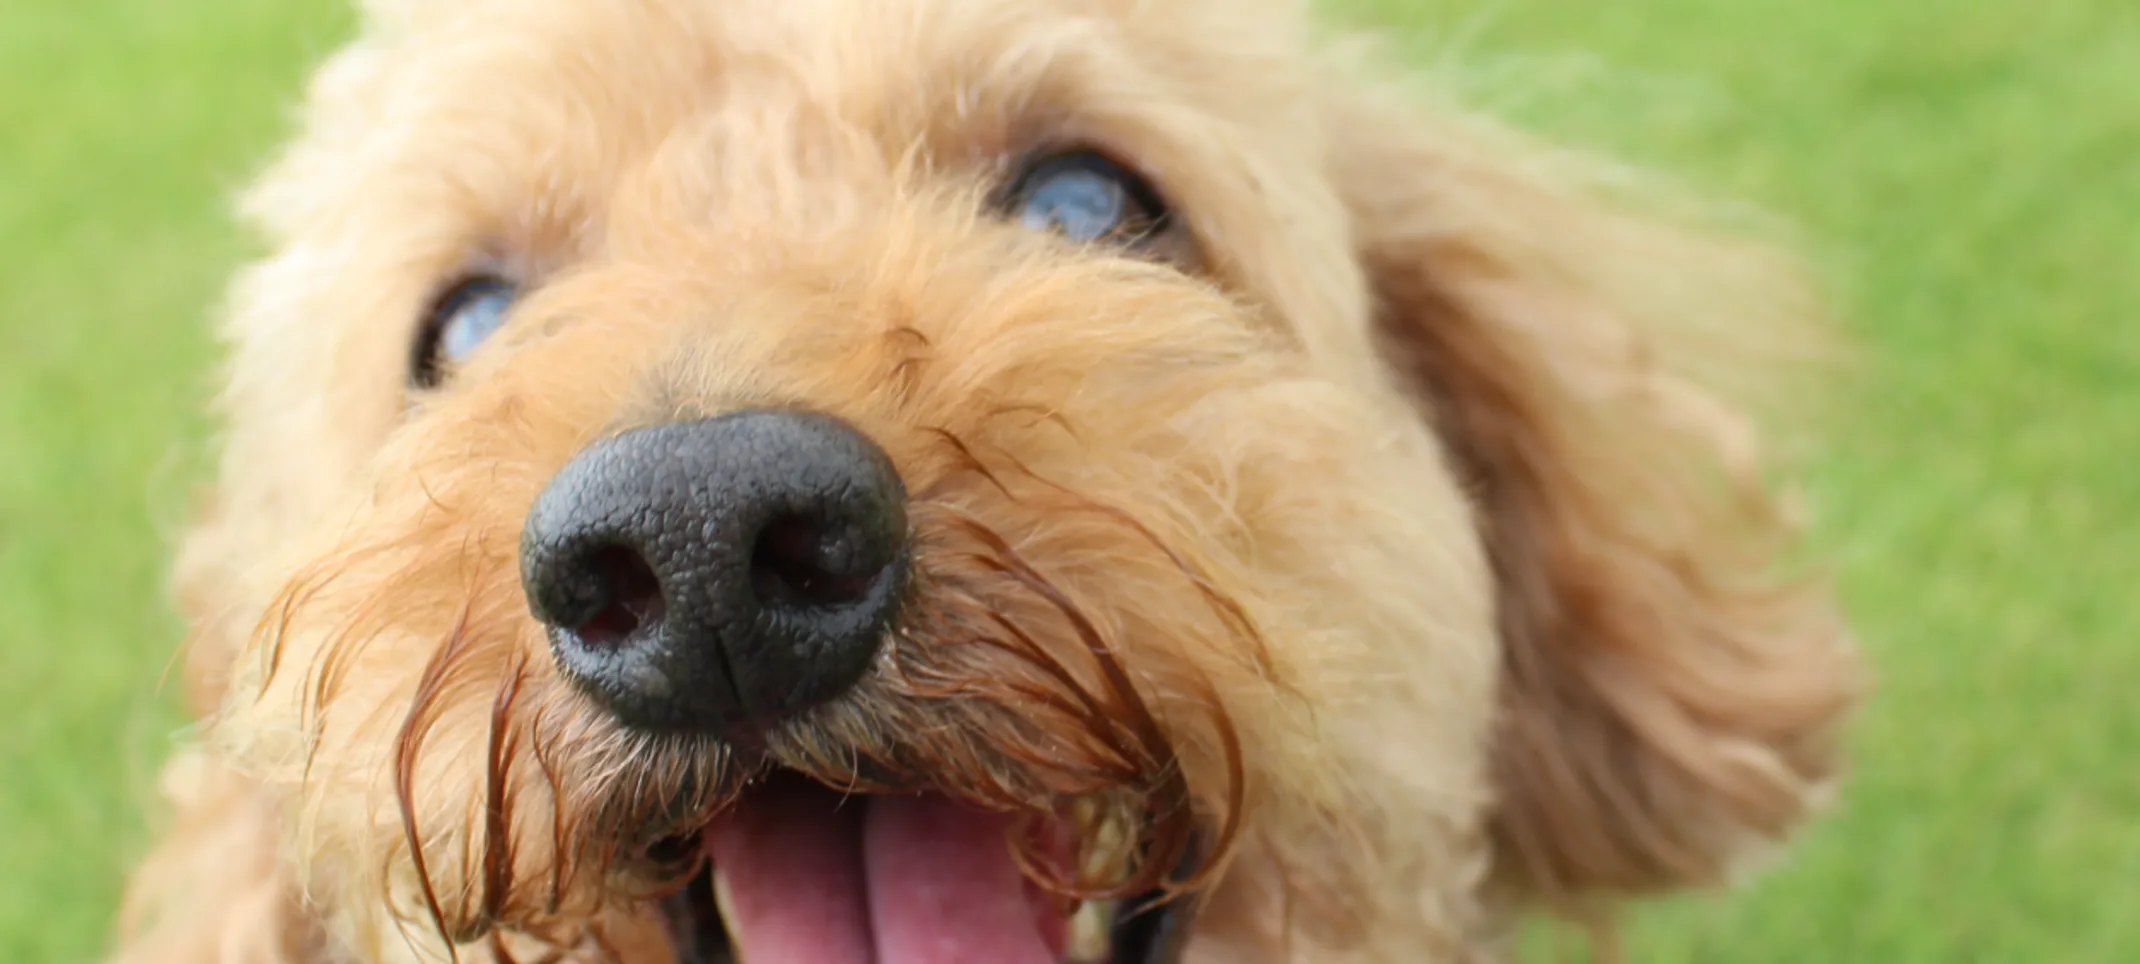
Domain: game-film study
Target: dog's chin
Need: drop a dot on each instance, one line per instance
(800, 873)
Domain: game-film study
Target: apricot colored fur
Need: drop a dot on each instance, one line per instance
(1406, 540)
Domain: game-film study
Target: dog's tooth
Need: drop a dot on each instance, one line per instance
(1106, 850)
(1089, 932)
(724, 902)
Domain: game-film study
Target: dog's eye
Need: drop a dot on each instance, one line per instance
(1088, 199)
(461, 320)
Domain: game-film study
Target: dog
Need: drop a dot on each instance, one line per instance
(967, 480)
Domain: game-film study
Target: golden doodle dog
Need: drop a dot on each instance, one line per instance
(1002, 481)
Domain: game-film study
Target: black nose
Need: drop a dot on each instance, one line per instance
(718, 576)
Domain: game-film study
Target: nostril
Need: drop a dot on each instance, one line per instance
(804, 562)
(632, 597)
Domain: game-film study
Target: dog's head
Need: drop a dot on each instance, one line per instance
(1051, 480)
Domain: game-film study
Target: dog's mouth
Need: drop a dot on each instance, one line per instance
(798, 873)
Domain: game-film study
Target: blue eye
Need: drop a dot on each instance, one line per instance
(464, 318)
(1087, 199)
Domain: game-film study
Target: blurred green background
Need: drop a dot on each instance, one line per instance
(1968, 170)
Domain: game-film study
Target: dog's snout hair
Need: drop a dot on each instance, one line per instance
(1361, 550)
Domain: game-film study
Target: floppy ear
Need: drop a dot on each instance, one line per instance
(1669, 699)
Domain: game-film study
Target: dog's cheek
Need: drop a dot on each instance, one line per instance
(1362, 700)
(394, 693)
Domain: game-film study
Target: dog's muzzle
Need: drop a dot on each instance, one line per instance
(718, 577)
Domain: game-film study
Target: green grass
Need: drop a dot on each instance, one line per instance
(124, 127)
(1970, 173)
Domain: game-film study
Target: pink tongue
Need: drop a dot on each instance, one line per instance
(791, 858)
(943, 887)
(900, 880)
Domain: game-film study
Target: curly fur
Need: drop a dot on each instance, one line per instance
(1401, 536)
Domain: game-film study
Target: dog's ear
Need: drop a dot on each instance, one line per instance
(1669, 698)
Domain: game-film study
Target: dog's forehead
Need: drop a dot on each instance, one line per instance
(535, 110)
(548, 133)
(521, 102)
(861, 57)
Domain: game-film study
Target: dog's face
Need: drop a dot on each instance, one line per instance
(1039, 481)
